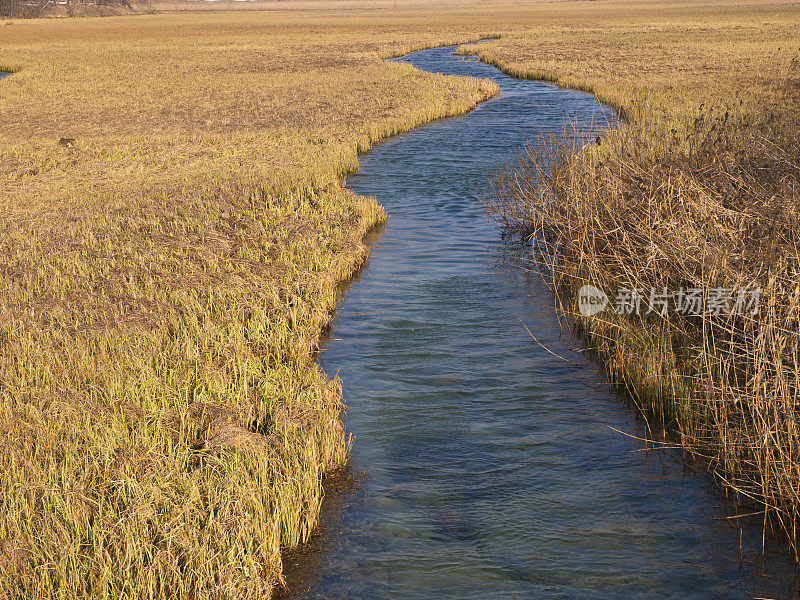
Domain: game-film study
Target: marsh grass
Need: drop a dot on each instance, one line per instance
(699, 187)
(166, 278)
(716, 207)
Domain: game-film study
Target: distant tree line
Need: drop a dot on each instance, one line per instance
(23, 9)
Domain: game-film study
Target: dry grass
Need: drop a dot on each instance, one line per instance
(165, 278)
(699, 189)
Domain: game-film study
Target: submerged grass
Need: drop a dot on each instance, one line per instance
(698, 190)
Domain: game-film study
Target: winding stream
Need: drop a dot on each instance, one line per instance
(491, 467)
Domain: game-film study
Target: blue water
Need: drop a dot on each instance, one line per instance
(492, 469)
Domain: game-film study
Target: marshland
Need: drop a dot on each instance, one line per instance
(175, 227)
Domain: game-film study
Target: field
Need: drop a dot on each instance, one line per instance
(173, 234)
(166, 278)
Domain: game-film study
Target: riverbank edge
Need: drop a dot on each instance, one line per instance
(648, 361)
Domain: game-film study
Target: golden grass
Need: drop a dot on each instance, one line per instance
(167, 275)
(669, 56)
(166, 278)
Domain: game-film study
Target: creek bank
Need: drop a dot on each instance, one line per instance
(492, 467)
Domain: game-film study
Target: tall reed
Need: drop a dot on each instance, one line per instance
(716, 207)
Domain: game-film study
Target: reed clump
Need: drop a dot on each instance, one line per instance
(706, 201)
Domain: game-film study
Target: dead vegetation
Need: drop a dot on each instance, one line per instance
(701, 197)
(167, 270)
(173, 234)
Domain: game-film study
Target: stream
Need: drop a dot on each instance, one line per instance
(488, 467)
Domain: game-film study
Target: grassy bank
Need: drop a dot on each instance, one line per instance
(698, 190)
(173, 231)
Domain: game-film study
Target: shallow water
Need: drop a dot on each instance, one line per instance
(491, 467)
